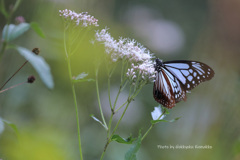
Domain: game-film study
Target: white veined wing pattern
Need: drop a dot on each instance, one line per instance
(175, 78)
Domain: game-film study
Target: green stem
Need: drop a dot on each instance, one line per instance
(121, 118)
(99, 102)
(8, 18)
(109, 95)
(149, 129)
(109, 138)
(129, 101)
(115, 102)
(3, 48)
(120, 107)
(105, 148)
(74, 95)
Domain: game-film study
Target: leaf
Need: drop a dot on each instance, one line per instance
(83, 80)
(80, 78)
(1, 126)
(12, 125)
(37, 29)
(119, 139)
(97, 120)
(161, 120)
(175, 119)
(39, 65)
(12, 31)
(81, 75)
(131, 153)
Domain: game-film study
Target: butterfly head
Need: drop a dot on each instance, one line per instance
(158, 64)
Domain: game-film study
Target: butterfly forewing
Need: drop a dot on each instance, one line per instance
(190, 73)
(174, 78)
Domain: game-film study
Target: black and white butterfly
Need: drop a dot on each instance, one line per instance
(175, 78)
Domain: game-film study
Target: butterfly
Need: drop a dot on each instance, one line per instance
(175, 78)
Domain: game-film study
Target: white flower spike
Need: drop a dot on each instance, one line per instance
(83, 19)
(126, 49)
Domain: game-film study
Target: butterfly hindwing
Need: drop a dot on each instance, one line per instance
(167, 89)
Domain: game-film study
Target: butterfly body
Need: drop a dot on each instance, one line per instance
(175, 78)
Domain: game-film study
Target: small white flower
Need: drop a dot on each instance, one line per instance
(79, 18)
(157, 112)
(1, 126)
(128, 49)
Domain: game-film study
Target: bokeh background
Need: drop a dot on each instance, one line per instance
(202, 30)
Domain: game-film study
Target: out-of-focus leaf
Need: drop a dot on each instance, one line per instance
(162, 120)
(236, 147)
(131, 153)
(81, 78)
(1, 126)
(37, 29)
(12, 125)
(39, 65)
(12, 31)
(119, 139)
(97, 120)
(175, 119)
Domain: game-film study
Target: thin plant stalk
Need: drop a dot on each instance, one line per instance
(8, 18)
(149, 129)
(13, 75)
(74, 95)
(99, 102)
(12, 87)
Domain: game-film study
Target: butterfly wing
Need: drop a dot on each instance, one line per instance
(167, 89)
(189, 73)
(174, 78)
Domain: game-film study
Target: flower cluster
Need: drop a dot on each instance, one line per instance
(137, 55)
(79, 18)
(19, 19)
(145, 71)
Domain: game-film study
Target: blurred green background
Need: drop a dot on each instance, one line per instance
(202, 30)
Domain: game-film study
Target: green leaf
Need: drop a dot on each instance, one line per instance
(12, 31)
(175, 119)
(12, 125)
(83, 80)
(37, 29)
(80, 78)
(131, 153)
(162, 120)
(39, 65)
(119, 139)
(97, 120)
